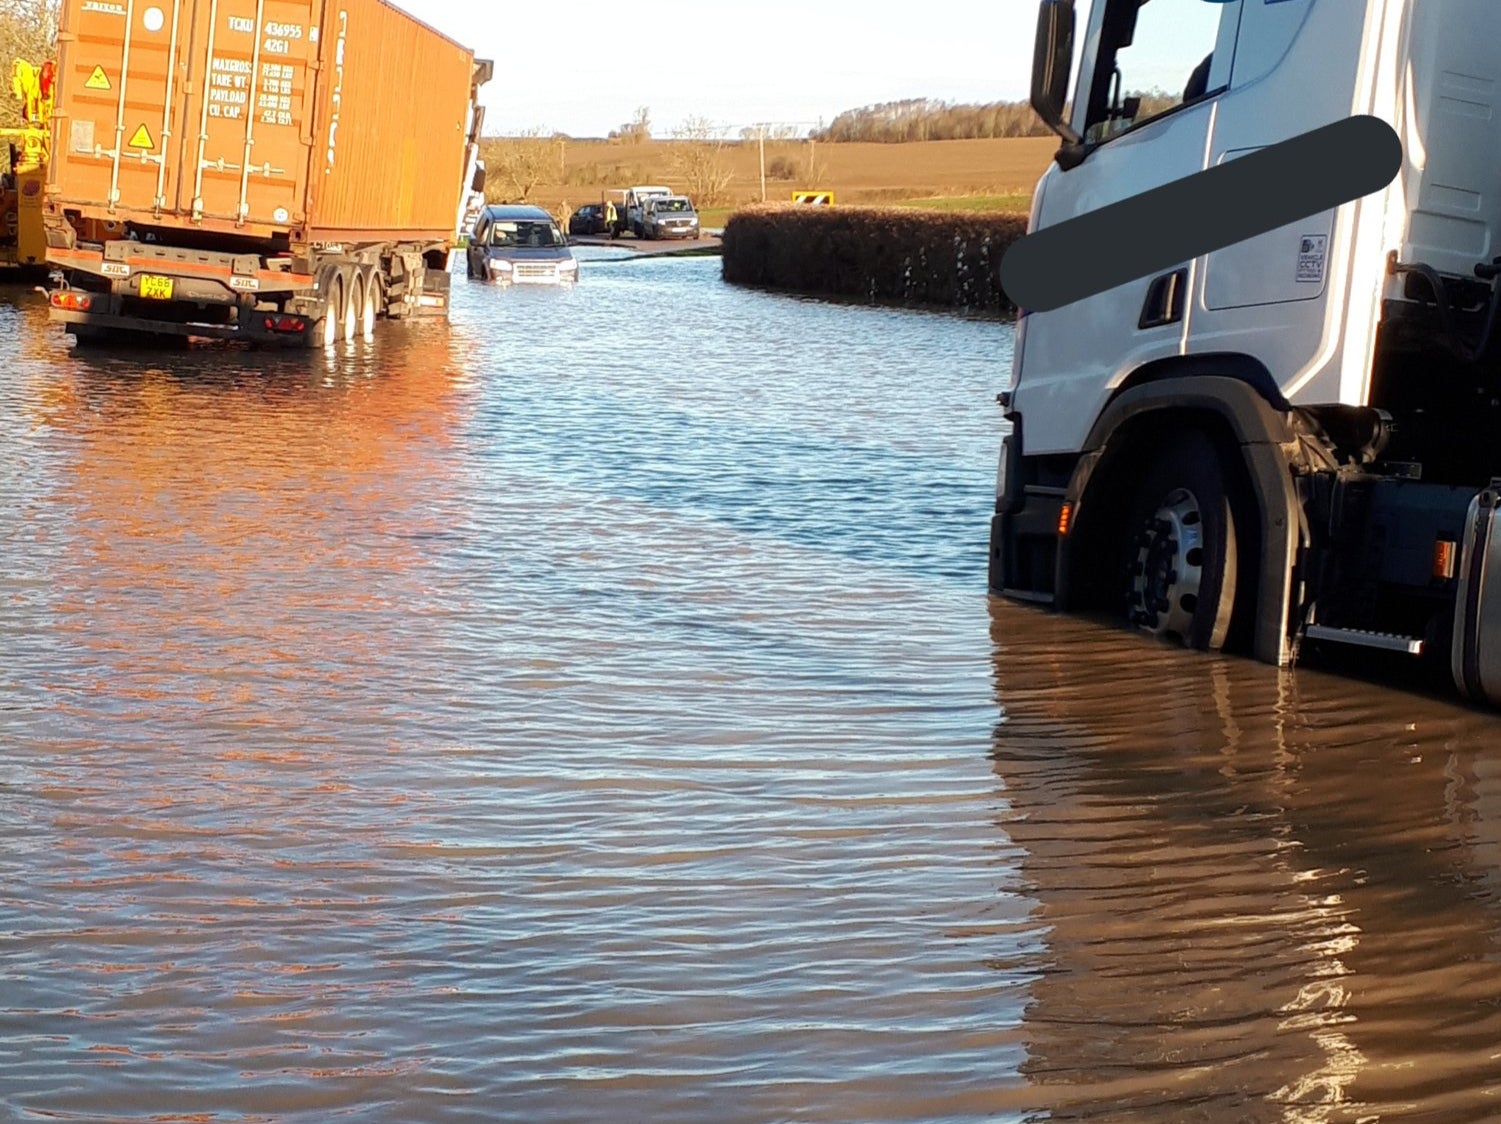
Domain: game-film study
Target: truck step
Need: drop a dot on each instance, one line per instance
(1386, 641)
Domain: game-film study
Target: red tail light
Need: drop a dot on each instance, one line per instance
(285, 323)
(71, 299)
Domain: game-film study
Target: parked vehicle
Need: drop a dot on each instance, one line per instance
(671, 216)
(520, 245)
(636, 199)
(1289, 443)
(274, 178)
(588, 219)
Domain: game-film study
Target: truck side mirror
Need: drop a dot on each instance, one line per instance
(1052, 60)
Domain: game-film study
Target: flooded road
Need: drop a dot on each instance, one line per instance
(592, 709)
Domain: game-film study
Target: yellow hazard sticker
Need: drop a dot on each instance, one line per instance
(98, 80)
(141, 139)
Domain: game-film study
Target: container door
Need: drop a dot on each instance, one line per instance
(116, 85)
(187, 108)
(244, 152)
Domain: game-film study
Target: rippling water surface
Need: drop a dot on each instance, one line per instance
(591, 709)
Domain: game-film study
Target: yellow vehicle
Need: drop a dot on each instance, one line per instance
(22, 241)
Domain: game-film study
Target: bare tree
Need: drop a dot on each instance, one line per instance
(637, 129)
(514, 166)
(699, 159)
(28, 30)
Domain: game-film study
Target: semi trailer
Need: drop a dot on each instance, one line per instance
(1293, 442)
(276, 171)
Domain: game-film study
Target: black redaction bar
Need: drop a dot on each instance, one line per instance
(1179, 221)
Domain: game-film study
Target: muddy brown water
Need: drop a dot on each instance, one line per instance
(591, 709)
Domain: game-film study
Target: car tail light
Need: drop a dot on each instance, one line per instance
(285, 323)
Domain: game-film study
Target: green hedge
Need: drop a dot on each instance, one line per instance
(873, 254)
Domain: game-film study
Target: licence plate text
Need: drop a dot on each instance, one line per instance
(156, 288)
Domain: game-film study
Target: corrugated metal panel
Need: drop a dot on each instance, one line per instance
(320, 118)
(393, 123)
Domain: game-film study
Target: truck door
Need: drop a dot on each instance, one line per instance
(1303, 300)
(1149, 72)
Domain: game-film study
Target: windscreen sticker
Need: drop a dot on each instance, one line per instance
(1311, 253)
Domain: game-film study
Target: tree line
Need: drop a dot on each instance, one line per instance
(927, 119)
(924, 119)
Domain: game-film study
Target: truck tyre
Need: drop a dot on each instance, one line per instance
(354, 297)
(325, 331)
(1181, 546)
(369, 309)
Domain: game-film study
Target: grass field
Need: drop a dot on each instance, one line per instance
(976, 175)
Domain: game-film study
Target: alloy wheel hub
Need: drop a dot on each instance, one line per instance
(1169, 567)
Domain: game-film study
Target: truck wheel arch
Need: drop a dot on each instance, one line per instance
(1255, 439)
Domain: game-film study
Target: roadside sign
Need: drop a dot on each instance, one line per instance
(814, 198)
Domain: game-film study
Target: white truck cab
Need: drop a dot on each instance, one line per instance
(1289, 443)
(637, 200)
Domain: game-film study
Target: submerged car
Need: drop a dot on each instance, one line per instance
(520, 245)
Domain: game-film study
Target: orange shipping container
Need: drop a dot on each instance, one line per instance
(311, 120)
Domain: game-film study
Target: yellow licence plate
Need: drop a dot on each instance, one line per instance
(157, 288)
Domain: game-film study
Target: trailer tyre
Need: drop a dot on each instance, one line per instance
(1181, 551)
(324, 332)
(354, 298)
(369, 309)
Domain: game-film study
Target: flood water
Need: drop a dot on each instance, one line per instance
(592, 710)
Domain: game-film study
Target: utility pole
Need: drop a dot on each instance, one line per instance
(761, 135)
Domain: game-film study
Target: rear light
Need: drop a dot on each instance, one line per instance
(1443, 559)
(285, 324)
(70, 299)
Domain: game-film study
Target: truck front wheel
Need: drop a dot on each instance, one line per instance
(1181, 546)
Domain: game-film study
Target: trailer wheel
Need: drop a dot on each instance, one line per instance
(369, 289)
(324, 332)
(354, 297)
(1181, 550)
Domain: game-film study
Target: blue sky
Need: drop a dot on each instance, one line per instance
(574, 68)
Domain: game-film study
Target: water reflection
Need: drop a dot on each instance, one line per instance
(1266, 895)
(183, 475)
